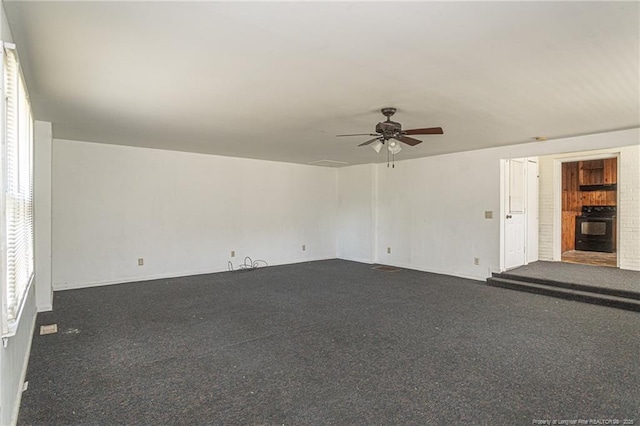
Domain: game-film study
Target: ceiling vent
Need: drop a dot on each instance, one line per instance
(385, 268)
(329, 163)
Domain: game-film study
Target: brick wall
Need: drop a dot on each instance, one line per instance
(629, 207)
(545, 212)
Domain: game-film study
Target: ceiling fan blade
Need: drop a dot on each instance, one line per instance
(408, 140)
(427, 131)
(358, 134)
(369, 141)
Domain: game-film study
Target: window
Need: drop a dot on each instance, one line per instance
(16, 199)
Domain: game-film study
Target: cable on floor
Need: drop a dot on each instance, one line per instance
(248, 265)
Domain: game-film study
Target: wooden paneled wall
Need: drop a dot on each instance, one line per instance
(571, 204)
(573, 199)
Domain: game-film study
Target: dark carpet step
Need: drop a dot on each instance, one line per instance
(572, 286)
(567, 293)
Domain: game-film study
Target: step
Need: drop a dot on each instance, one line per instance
(573, 286)
(567, 293)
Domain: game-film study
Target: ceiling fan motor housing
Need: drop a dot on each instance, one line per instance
(388, 128)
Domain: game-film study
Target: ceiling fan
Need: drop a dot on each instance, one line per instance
(391, 131)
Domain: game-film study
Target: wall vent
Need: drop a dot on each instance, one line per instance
(48, 329)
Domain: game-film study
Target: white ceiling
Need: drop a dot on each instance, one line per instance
(278, 81)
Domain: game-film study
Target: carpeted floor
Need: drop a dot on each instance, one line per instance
(331, 342)
(598, 276)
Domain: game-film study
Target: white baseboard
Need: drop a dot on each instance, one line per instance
(45, 308)
(72, 286)
(99, 283)
(357, 259)
(436, 271)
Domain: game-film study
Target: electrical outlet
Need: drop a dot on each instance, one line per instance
(304, 247)
(140, 262)
(233, 253)
(488, 214)
(476, 260)
(389, 250)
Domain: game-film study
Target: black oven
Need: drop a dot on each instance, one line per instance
(596, 228)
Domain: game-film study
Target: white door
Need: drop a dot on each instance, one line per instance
(514, 224)
(531, 211)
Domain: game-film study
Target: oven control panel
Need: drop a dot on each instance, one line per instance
(598, 211)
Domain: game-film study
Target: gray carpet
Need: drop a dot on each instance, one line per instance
(331, 342)
(598, 276)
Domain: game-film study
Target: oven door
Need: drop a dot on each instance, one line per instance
(595, 234)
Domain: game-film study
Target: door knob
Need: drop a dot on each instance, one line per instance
(509, 216)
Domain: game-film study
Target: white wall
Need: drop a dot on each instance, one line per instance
(14, 352)
(14, 360)
(356, 213)
(182, 212)
(115, 204)
(42, 215)
(430, 211)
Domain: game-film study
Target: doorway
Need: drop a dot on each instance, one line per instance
(519, 208)
(589, 211)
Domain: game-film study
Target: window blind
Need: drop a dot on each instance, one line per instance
(18, 191)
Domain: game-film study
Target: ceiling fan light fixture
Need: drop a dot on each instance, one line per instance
(377, 146)
(395, 148)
